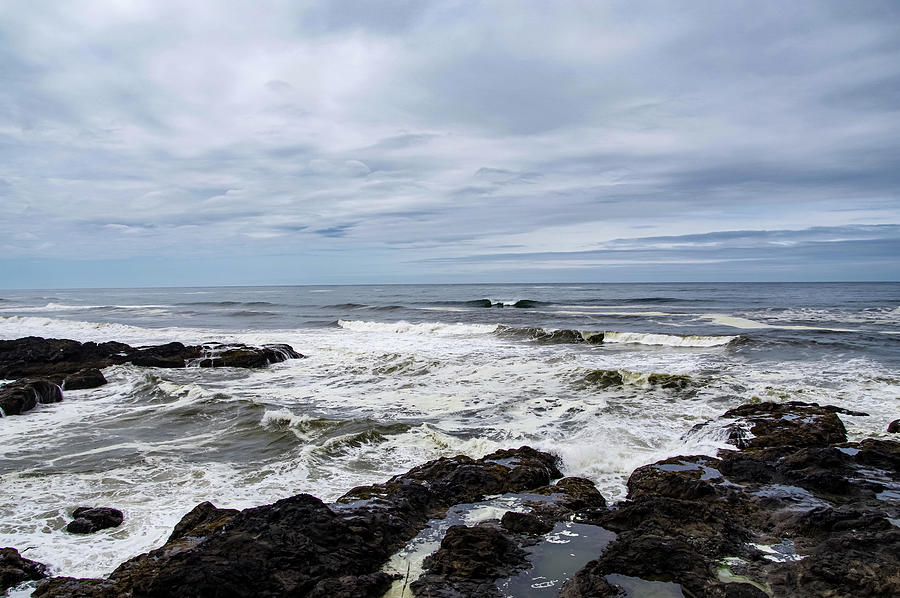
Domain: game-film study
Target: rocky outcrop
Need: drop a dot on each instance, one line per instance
(14, 569)
(468, 562)
(22, 396)
(87, 520)
(894, 427)
(792, 511)
(299, 546)
(43, 367)
(798, 512)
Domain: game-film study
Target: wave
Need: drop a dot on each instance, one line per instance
(551, 336)
(424, 328)
(228, 303)
(251, 313)
(65, 307)
(668, 340)
(518, 303)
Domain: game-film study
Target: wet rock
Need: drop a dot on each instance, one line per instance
(468, 562)
(14, 569)
(788, 424)
(525, 523)
(679, 477)
(88, 520)
(300, 546)
(55, 359)
(83, 379)
(797, 510)
(246, 357)
(894, 427)
(170, 355)
(22, 396)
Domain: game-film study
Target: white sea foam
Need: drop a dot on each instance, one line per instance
(748, 324)
(668, 340)
(403, 327)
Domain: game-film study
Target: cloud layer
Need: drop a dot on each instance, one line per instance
(415, 141)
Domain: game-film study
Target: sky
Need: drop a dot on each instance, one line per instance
(221, 142)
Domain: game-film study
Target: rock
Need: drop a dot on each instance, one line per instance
(300, 546)
(22, 396)
(797, 510)
(14, 569)
(88, 520)
(246, 357)
(788, 424)
(170, 355)
(894, 427)
(84, 378)
(55, 359)
(525, 523)
(468, 562)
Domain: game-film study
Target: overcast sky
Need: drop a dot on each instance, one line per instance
(224, 142)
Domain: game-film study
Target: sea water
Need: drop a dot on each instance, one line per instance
(395, 375)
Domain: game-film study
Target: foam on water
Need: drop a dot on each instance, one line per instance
(376, 398)
(667, 340)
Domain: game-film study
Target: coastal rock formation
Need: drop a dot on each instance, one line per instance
(22, 396)
(42, 365)
(88, 520)
(794, 510)
(14, 569)
(299, 546)
(894, 427)
(797, 512)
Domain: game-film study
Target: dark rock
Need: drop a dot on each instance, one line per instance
(55, 359)
(88, 520)
(201, 520)
(588, 583)
(14, 569)
(788, 424)
(170, 355)
(525, 523)
(679, 477)
(894, 427)
(84, 378)
(468, 562)
(246, 357)
(22, 396)
(299, 546)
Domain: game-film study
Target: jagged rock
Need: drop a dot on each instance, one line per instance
(247, 357)
(525, 523)
(468, 562)
(83, 379)
(54, 359)
(88, 520)
(797, 511)
(300, 546)
(14, 569)
(22, 396)
(788, 424)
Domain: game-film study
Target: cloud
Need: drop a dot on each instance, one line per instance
(427, 132)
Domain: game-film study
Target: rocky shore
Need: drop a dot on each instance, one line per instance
(43, 368)
(792, 510)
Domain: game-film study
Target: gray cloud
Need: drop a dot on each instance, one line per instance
(427, 132)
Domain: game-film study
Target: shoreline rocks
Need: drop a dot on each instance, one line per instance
(794, 510)
(87, 520)
(43, 368)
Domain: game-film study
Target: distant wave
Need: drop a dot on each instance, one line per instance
(668, 340)
(249, 313)
(228, 303)
(65, 307)
(519, 303)
(403, 327)
(633, 300)
(541, 335)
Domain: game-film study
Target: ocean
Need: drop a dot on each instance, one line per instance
(606, 376)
